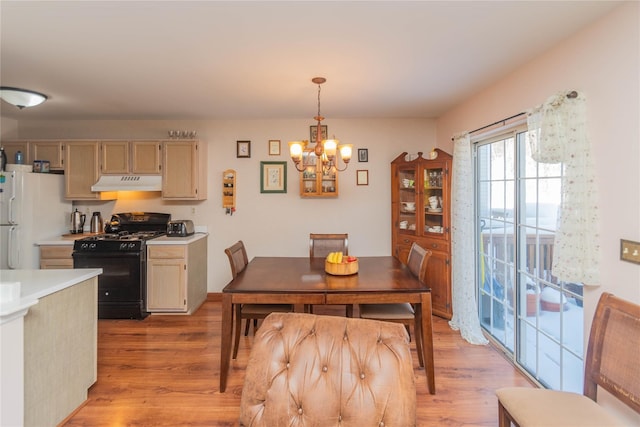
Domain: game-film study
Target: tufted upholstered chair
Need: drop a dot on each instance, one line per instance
(311, 370)
(238, 260)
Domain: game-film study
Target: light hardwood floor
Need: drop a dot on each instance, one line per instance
(164, 371)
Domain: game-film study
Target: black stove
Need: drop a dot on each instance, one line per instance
(121, 253)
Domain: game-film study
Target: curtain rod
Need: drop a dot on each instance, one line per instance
(571, 95)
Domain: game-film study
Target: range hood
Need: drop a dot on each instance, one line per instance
(128, 183)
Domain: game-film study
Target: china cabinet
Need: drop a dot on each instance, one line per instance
(420, 213)
(314, 182)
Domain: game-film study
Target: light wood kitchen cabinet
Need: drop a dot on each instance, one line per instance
(82, 171)
(130, 157)
(114, 157)
(176, 276)
(55, 257)
(146, 157)
(12, 147)
(420, 213)
(53, 151)
(184, 170)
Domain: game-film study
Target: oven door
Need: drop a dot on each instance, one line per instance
(122, 284)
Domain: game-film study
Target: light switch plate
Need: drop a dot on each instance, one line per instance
(630, 251)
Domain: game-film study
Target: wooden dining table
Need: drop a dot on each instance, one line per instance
(303, 281)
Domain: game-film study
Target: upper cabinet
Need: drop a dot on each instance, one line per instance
(53, 151)
(184, 171)
(420, 213)
(146, 157)
(130, 157)
(314, 182)
(82, 170)
(12, 147)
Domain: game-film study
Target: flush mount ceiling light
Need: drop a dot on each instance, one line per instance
(325, 149)
(21, 98)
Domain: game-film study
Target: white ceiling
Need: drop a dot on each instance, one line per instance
(242, 59)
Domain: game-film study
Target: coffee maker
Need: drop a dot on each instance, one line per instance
(77, 222)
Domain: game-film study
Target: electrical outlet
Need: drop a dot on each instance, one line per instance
(193, 211)
(630, 251)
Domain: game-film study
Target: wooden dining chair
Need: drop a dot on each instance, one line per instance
(611, 364)
(404, 313)
(238, 260)
(320, 245)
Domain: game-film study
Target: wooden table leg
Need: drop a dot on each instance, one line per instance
(225, 339)
(427, 340)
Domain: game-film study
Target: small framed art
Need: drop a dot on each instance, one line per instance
(273, 177)
(243, 148)
(362, 177)
(274, 147)
(313, 133)
(363, 155)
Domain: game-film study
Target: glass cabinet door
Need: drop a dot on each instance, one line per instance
(407, 218)
(433, 201)
(309, 181)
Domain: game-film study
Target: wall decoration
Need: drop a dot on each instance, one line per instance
(313, 133)
(362, 177)
(363, 155)
(274, 147)
(243, 148)
(273, 177)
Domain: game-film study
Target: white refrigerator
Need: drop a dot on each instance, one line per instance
(32, 209)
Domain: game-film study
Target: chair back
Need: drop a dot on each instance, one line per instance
(418, 260)
(612, 354)
(328, 371)
(320, 245)
(237, 257)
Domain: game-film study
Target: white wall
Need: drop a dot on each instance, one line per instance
(603, 62)
(269, 224)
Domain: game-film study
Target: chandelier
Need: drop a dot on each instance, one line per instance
(325, 150)
(21, 98)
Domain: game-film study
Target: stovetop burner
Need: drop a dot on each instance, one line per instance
(125, 235)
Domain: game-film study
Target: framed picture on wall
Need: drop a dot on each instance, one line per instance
(363, 155)
(362, 177)
(243, 148)
(273, 177)
(313, 133)
(274, 147)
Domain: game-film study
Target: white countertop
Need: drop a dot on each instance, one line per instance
(35, 284)
(164, 240)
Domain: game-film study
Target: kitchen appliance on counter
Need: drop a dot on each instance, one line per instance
(32, 208)
(96, 225)
(77, 222)
(180, 228)
(121, 252)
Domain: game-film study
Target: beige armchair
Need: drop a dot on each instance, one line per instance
(312, 370)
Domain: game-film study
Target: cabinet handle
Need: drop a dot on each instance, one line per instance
(434, 245)
(407, 241)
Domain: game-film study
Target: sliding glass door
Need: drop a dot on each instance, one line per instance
(537, 318)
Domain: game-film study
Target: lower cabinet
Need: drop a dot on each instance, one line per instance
(176, 276)
(54, 257)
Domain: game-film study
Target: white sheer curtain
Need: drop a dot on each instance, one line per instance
(557, 133)
(463, 254)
